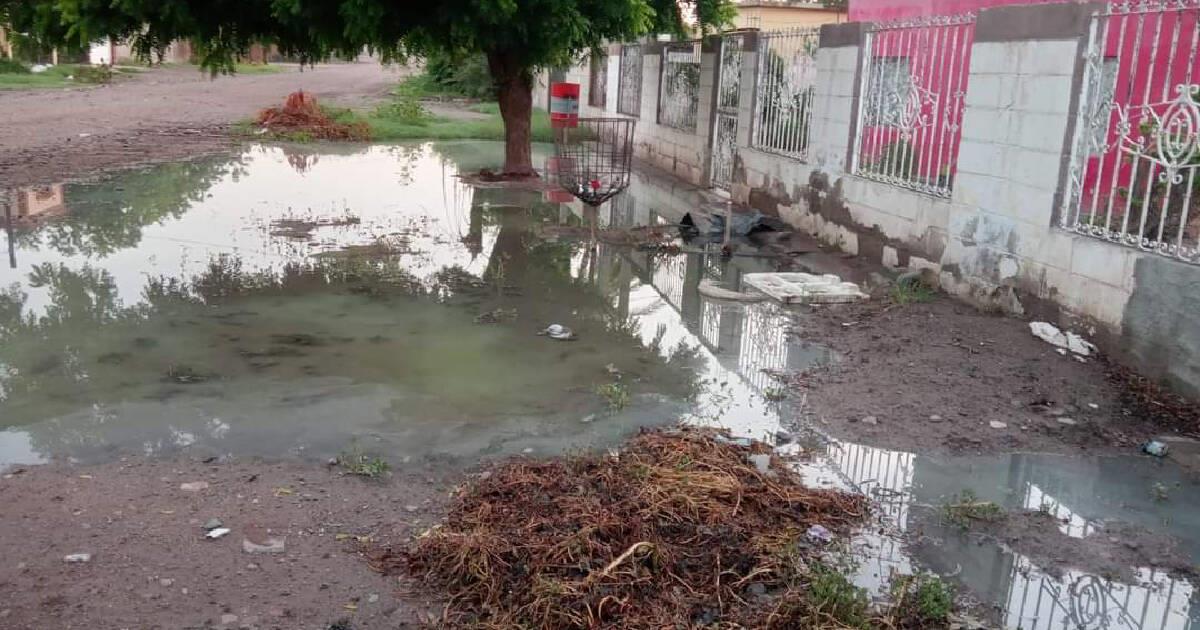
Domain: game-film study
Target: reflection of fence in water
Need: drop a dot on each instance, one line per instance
(1039, 602)
(667, 276)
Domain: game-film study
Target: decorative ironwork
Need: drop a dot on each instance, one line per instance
(1132, 178)
(679, 86)
(725, 123)
(787, 74)
(593, 159)
(910, 114)
(629, 86)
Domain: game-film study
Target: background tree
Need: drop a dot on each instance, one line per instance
(518, 37)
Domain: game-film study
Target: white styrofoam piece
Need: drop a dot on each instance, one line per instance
(805, 288)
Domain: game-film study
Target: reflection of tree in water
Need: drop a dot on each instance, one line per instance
(110, 217)
(300, 160)
(66, 359)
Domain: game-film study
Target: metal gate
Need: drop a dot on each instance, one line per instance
(1133, 177)
(725, 122)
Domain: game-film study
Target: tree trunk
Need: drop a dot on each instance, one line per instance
(514, 91)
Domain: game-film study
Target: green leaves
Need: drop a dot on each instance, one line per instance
(537, 33)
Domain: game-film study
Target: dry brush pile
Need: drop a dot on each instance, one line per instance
(301, 116)
(679, 529)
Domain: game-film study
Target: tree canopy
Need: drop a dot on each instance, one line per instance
(517, 36)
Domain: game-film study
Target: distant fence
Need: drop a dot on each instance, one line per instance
(629, 87)
(1137, 145)
(679, 86)
(910, 113)
(787, 76)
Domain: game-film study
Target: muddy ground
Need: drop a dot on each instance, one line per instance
(151, 566)
(942, 377)
(157, 115)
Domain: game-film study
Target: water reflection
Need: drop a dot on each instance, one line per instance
(286, 300)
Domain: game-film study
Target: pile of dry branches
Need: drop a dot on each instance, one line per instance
(300, 114)
(679, 529)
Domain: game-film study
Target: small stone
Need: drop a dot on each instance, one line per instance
(872, 420)
(588, 418)
(228, 619)
(996, 424)
(252, 566)
(412, 508)
(1093, 406)
(1067, 421)
(194, 486)
(485, 475)
(165, 582)
(372, 598)
(935, 418)
(21, 566)
(527, 451)
(77, 558)
(277, 612)
(212, 523)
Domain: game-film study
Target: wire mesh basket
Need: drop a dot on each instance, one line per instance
(593, 159)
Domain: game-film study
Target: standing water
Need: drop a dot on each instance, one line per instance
(289, 301)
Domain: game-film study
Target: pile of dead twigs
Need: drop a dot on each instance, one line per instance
(302, 116)
(680, 529)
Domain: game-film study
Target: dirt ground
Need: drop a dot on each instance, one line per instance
(152, 567)
(160, 114)
(942, 377)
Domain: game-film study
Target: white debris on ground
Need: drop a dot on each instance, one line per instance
(805, 288)
(1066, 340)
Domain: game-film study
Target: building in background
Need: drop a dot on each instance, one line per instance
(773, 15)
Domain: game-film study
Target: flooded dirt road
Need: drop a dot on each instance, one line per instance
(287, 304)
(159, 114)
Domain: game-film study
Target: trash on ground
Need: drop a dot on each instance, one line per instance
(194, 486)
(1155, 448)
(269, 544)
(634, 541)
(213, 523)
(217, 532)
(819, 533)
(805, 288)
(996, 424)
(1064, 340)
(77, 558)
(559, 332)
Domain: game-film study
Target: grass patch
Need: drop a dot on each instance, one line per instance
(833, 595)
(912, 293)
(921, 601)
(406, 119)
(60, 76)
(257, 68)
(355, 462)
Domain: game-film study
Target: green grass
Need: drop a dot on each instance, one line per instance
(395, 121)
(616, 395)
(57, 77)
(965, 509)
(355, 462)
(257, 68)
(912, 293)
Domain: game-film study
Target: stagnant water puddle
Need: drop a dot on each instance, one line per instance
(293, 300)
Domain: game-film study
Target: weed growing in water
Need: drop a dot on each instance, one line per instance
(965, 508)
(1160, 492)
(775, 394)
(615, 394)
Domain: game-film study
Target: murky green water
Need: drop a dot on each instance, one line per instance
(289, 301)
(302, 301)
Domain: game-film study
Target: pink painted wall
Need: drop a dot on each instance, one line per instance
(884, 10)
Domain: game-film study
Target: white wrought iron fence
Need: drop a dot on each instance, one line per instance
(679, 86)
(910, 111)
(1133, 178)
(787, 74)
(629, 83)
